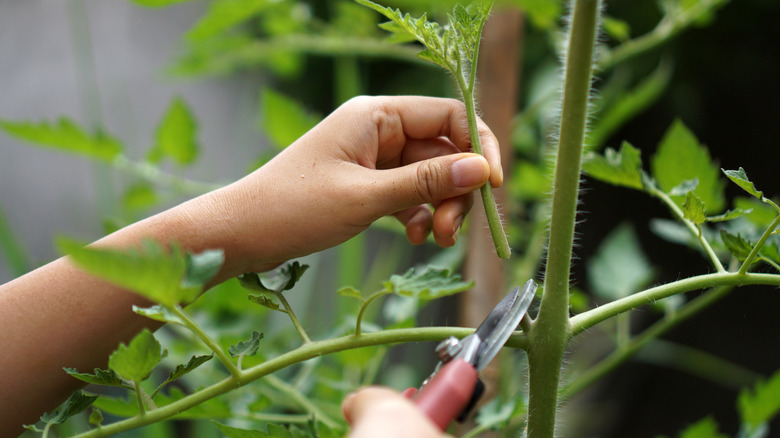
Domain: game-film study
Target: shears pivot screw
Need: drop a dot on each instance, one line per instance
(448, 349)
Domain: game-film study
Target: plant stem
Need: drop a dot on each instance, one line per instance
(596, 372)
(364, 306)
(139, 398)
(301, 400)
(213, 346)
(551, 330)
(583, 321)
(303, 353)
(754, 252)
(293, 317)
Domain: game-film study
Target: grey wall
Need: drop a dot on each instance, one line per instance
(45, 72)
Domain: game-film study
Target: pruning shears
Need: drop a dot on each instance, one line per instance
(454, 388)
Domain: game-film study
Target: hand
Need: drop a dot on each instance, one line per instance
(376, 412)
(372, 157)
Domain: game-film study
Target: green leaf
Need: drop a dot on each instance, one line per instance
(151, 271)
(224, 14)
(729, 215)
(495, 415)
(202, 267)
(67, 136)
(283, 279)
(616, 28)
(736, 245)
(739, 177)
(761, 403)
(234, 432)
(176, 136)
(619, 267)
(246, 348)
(694, 209)
(136, 360)
(684, 187)
(139, 197)
(100, 377)
(351, 292)
(681, 157)
(542, 13)
(76, 403)
(426, 284)
(96, 417)
(704, 428)
(761, 214)
(283, 119)
(183, 369)
(267, 302)
(159, 313)
(623, 168)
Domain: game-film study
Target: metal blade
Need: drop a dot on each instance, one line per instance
(501, 322)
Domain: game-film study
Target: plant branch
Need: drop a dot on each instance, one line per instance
(139, 398)
(696, 231)
(293, 317)
(754, 252)
(607, 365)
(303, 353)
(583, 321)
(213, 346)
(364, 306)
(301, 400)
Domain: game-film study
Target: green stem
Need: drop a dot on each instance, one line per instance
(301, 400)
(303, 353)
(139, 398)
(695, 231)
(754, 252)
(213, 346)
(585, 320)
(293, 317)
(551, 330)
(607, 365)
(363, 308)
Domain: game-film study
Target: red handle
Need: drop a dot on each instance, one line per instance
(447, 394)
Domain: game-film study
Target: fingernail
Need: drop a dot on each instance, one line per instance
(469, 172)
(456, 226)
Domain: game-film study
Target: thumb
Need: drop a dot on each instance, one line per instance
(432, 180)
(379, 412)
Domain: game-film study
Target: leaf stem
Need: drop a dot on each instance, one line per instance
(139, 398)
(364, 306)
(213, 346)
(293, 317)
(301, 400)
(695, 230)
(754, 252)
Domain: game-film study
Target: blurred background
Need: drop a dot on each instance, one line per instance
(115, 67)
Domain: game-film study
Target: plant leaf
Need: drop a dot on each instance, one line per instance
(96, 417)
(136, 360)
(729, 215)
(739, 177)
(619, 267)
(176, 136)
(100, 377)
(202, 267)
(684, 187)
(351, 292)
(266, 301)
(761, 403)
(623, 168)
(284, 279)
(76, 403)
(694, 209)
(426, 284)
(224, 14)
(283, 119)
(246, 348)
(681, 157)
(183, 369)
(150, 271)
(67, 136)
(736, 245)
(159, 313)
(704, 428)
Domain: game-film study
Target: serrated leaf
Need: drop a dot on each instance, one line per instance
(619, 267)
(426, 284)
(136, 360)
(704, 428)
(183, 369)
(176, 136)
(761, 403)
(67, 136)
(77, 402)
(283, 119)
(729, 215)
(159, 313)
(151, 271)
(739, 177)
(684, 187)
(623, 168)
(224, 14)
(128, 407)
(693, 208)
(761, 215)
(351, 292)
(282, 280)
(681, 157)
(202, 267)
(99, 377)
(736, 245)
(267, 302)
(246, 348)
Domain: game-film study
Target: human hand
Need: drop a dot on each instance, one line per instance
(376, 412)
(372, 157)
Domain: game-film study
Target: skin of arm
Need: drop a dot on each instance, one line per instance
(373, 156)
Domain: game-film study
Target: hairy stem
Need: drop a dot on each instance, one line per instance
(363, 308)
(293, 317)
(213, 346)
(754, 252)
(551, 332)
(301, 354)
